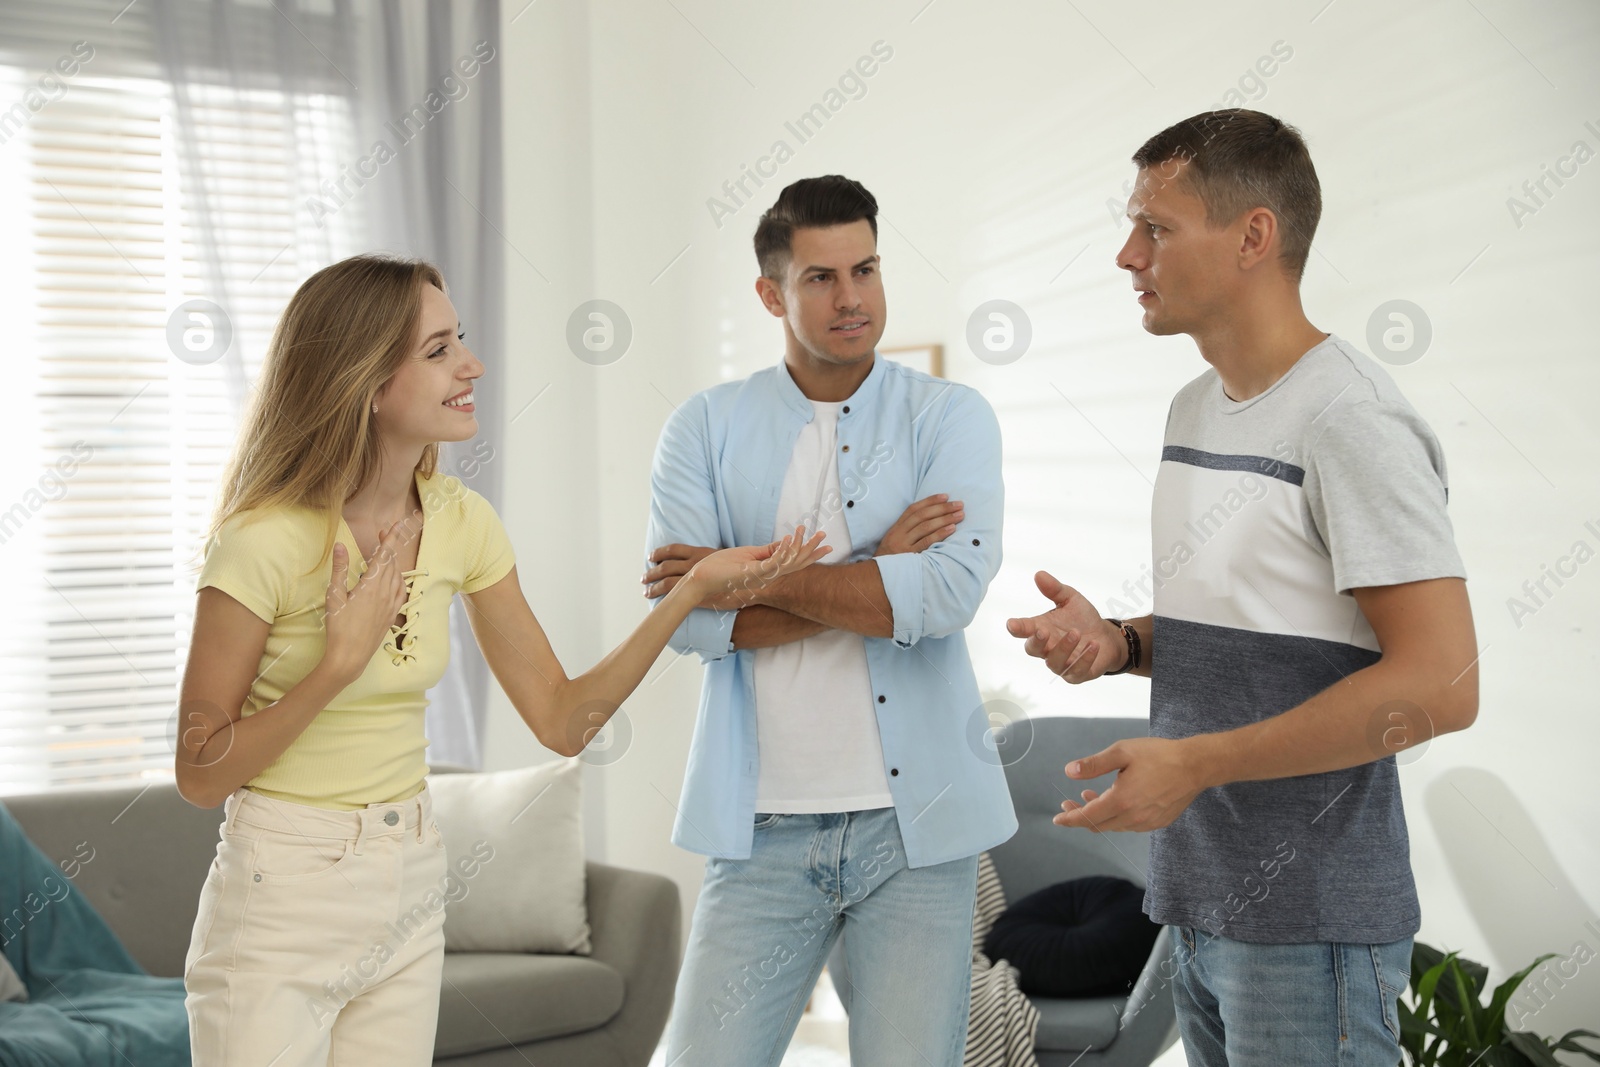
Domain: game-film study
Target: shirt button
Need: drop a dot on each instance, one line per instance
(882, 698)
(847, 448)
(392, 817)
(849, 503)
(847, 409)
(894, 770)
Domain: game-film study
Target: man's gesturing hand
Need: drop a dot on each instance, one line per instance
(1071, 638)
(1157, 779)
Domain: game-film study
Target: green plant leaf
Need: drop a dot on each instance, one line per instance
(1428, 967)
(1415, 1034)
(1448, 993)
(1477, 976)
(1469, 1006)
(1503, 1056)
(1569, 1043)
(1533, 1047)
(1424, 957)
(1449, 1026)
(1428, 986)
(1412, 1023)
(1495, 1024)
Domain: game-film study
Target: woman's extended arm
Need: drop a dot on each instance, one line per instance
(565, 713)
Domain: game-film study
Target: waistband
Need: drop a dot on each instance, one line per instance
(385, 819)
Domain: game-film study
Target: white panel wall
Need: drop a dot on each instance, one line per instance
(550, 472)
(993, 137)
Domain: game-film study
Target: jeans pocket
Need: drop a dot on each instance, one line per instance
(205, 917)
(1391, 965)
(764, 820)
(287, 859)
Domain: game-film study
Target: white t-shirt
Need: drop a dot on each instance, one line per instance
(817, 726)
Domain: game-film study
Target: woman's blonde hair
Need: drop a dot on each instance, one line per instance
(309, 438)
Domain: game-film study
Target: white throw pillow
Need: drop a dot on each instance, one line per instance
(514, 844)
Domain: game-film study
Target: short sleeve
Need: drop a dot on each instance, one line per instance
(248, 560)
(1376, 486)
(489, 554)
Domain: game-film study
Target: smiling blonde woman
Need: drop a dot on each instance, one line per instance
(321, 620)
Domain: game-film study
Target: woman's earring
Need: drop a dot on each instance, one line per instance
(374, 409)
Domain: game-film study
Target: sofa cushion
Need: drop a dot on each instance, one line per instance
(1087, 937)
(524, 829)
(491, 999)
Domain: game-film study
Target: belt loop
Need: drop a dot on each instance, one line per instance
(362, 822)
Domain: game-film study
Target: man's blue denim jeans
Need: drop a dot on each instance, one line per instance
(764, 926)
(1243, 1004)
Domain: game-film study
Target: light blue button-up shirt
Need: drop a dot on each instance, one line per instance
(903, 435)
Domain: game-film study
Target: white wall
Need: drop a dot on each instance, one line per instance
(993, 138)
(550, 475)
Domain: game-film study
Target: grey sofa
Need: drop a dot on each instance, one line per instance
(151, 853)
(1126, 1031)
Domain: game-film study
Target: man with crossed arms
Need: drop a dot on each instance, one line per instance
(830, 778)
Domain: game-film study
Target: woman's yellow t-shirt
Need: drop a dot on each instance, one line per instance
(367, 745)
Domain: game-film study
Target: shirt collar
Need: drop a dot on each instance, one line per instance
(865, 393)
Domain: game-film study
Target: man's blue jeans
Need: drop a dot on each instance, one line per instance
(1242, 1004)
(763, 928)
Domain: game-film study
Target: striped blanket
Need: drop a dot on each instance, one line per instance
(1003, 1022)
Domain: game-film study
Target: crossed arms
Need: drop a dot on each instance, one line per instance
(846, 596)
(920, 581)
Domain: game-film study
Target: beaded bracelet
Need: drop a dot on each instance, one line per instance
(1130, 635)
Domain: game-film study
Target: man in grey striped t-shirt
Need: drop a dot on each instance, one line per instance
(1309, 620)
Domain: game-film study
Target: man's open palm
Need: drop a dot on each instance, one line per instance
(1072, 638)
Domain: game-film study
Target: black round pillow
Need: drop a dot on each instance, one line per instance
(1084, 938)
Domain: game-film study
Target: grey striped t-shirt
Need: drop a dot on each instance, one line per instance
(1266, 513)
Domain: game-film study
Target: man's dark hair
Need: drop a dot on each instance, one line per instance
(831, 200)
(1237, 159)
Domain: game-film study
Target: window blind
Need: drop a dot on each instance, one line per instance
(124, 197)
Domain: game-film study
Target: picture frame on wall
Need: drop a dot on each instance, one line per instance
(926, 358)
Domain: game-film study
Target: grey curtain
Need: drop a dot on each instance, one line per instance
(430, 92)
(422, 177)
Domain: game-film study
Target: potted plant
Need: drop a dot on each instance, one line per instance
(1447, 1025)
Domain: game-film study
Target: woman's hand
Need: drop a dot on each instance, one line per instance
(358, 620)
(740, 573)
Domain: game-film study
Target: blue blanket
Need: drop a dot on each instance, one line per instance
(89, 1002)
